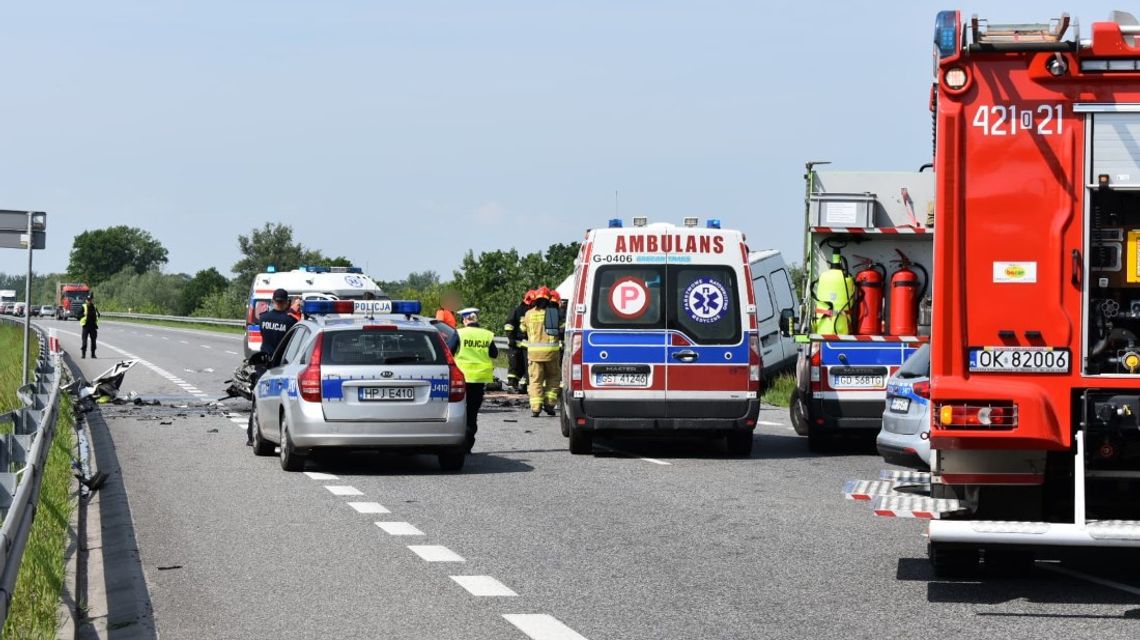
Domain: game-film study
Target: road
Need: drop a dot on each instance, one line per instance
(648, 540)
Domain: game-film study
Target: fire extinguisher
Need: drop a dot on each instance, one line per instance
(869, 293)
(906, 291)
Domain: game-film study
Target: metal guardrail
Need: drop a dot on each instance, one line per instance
(25, 450)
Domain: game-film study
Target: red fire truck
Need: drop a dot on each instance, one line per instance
(1035, 365)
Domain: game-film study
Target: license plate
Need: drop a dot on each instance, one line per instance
(1020, 360)
(621, 380)
(901, 405)
(387, 394)
(858, 382)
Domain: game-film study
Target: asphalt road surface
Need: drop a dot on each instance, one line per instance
(647, 540)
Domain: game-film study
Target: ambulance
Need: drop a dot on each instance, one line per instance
(307, 283)
(661, 335)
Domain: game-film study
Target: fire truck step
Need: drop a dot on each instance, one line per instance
(903, 506)
(867, 490)
(905, 475)
(1114, 529)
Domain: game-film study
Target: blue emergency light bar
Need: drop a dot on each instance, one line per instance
(364, 307)
(320, 269)
(615, 223)
(271, 269)
(713, 223)
(946, 27)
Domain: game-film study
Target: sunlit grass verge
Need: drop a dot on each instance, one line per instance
(11, 356)
(198, 326)
(780, 390)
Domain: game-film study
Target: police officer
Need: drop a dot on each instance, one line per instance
(90, 326)
(475, 357)
(516, 355)
(544, 348)
(275, 323)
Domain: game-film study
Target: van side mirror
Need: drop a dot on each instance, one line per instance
(787, 322)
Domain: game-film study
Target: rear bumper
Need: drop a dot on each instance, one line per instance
(309, 429)
(1035, 534)
(629, 423)
(837, 414)
(903, 453)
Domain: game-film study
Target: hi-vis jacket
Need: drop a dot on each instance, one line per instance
(543, 334)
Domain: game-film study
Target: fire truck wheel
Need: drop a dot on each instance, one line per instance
(952, 561)
(581, 442)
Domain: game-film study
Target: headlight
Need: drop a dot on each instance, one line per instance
(955, 78)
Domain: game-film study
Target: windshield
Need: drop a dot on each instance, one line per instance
(382, 346)
(917, 365)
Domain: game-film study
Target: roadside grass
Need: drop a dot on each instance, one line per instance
(35, 602)
(198, 326)
(779, 392)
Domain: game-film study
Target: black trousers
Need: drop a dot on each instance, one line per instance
(516, 361)
(475, 391)
(93, 334)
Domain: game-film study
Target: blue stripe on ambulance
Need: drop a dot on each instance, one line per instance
(653, 347)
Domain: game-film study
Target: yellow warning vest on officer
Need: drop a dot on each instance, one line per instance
(474, 357)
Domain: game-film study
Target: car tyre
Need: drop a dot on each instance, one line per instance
(453, 459)
(564, 421)
(739, 443)
(796, 413)
(261, 446)
(952, 561)
(581, 442)
(291, 460)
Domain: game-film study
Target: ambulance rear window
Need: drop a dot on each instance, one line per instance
(628, 298)
(704, 304)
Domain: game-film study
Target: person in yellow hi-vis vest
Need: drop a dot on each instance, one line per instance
(544, 348)
(475, 358)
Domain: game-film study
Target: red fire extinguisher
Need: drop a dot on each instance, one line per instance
(869, 293)
(906, 291)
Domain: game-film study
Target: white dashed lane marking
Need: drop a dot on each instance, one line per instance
(399, 529)
(205, 346)
(484, 586)
(317, 475)
(184, 341)
(542, 627)
(343, 490)
(768, 424)
(634, 455)
(368, 507)
(435, 553)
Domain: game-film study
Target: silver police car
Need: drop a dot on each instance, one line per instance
(361, 375)
(905, 437)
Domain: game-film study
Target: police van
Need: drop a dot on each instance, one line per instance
(661, 336)
(307, 283)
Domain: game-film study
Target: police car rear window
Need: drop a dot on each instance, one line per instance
(362, 347)
(628, 298)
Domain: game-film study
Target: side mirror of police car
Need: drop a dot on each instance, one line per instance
(787, 322)
(259, 358)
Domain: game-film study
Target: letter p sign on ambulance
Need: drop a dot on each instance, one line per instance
(629, 298)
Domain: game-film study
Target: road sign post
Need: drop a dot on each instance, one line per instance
(19, 230)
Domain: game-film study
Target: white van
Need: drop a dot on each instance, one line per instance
(343, 283)
(662, 335)
(775, 295)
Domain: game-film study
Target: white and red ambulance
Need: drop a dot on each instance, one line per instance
(661, 335)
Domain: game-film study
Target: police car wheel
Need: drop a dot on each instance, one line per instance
(581, 442)
(452, 460)
(739, 443)
(290, 459)
(261, 446)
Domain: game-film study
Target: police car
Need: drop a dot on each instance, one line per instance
(360, 375)
(309, 282)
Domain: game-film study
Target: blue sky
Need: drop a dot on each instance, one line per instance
(403, 134)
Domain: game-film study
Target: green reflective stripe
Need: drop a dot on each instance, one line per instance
(474, 357)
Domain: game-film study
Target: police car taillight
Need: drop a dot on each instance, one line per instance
(309, 380)
(457, 384)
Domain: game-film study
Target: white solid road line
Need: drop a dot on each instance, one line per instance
(484, 586)
(343, 490)
(1111, 584)
(399, 528)
(368, 507)
(435, 553)
(634, 455)
(317, 475)
(540, 626)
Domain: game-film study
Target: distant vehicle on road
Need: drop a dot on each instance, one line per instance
(70, 297)
(7, 308)
(19, 309)
(662, 336)
(774, 297)
(340, 283)
(905, 437)
(379, 378)
(46, 311)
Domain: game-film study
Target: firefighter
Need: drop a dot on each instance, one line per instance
(475, 358)
(544, 334)
(89, 324)
(516, 338)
